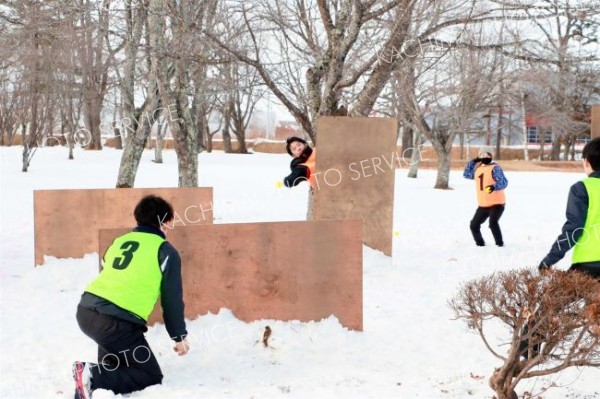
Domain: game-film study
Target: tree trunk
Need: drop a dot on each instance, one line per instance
(209, 143)
(227, 140)
(140, 125)
(187, 156)
(183, 130)
(11, 137)
(225, 132)
(91, 119)
(180, 120)
(488, 132)
(240, 135)
(25, 157)
(160, 142)
(381, 72)
(443, 166)
(542, 138)
(118, 138)
(242, 149)
(407, 141)
(70, 144)
(461, 141)
(500, 382)
(556, 144)
(136, 18)
(130, 159)
(136, 140)
(201, 128)
(415, 157)
(567, 149)
(499, 132)
(68, 126)
(29, 142)
(524, 127)
(94, 71)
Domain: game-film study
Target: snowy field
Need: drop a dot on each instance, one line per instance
(410, 347)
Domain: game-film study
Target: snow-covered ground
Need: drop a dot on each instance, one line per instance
(410, 346)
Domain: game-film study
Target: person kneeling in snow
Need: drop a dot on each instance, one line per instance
(113, 311)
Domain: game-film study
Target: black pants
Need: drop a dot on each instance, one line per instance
(481, 214)
(125, 361)
(591, 268)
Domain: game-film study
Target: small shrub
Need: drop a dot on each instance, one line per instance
(552, 322)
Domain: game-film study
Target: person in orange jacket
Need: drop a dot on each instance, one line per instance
(303, 162)
(490, 183)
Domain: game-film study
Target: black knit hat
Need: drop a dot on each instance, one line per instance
(289, 142)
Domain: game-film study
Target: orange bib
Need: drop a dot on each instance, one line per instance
(483, 178)
(310, 164)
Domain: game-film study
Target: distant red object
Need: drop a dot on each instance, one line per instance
(285, 129)
(538, 120)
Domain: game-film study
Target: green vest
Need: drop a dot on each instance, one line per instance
(131, 275)
(587, 247)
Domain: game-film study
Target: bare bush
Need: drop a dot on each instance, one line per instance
(552, 322)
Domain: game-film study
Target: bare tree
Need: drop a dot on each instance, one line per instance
(60, 65)
(453, 92)
(69, 89)
(33, 38)
(96, 56)
(161, 131)
(137, 122)
(172, 39)
(557, 316)
(248, 92)
(559, 89)
(242, 89)
(334, 41)
(8, 104)
(225, 132)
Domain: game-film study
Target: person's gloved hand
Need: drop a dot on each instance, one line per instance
(489, 189)
(182, 347)
(476, 160)
(543, 267)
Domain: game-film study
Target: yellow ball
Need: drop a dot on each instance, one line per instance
(279, 184)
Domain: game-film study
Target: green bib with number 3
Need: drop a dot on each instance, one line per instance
(587, 247)
(131, 275)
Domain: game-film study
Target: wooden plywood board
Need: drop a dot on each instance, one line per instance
(595, 120)
(355, 164)
(67, 221)
(284, 270)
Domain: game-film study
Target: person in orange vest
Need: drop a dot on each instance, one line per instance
(303, 165)
(490, 183)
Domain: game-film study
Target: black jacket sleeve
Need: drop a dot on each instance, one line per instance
(299, 174)
(577, 207)
(171, 292)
